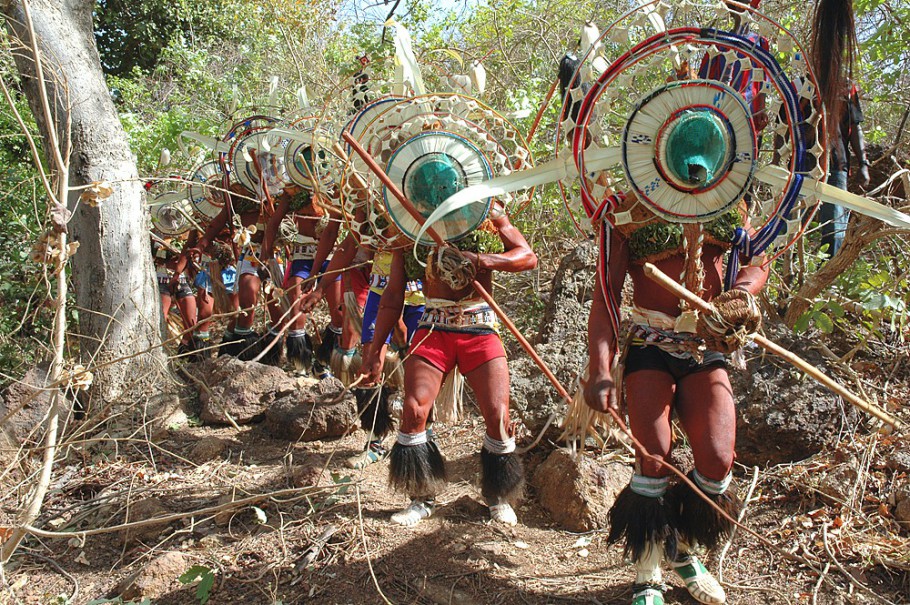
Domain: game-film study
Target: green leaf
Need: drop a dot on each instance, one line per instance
(203, 591)
(194, 573)
(835, 309)
(802, 324)
(824, 323)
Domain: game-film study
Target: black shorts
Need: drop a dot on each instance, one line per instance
(655, 358)
(183, 289)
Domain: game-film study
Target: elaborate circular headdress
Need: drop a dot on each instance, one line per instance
(732, 111)
(171, 213)
(431, 146)
(204, 192)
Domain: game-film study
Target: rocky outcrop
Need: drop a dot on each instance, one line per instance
(562, 341)
(783, 415)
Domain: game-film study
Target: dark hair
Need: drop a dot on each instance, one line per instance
(833, 51)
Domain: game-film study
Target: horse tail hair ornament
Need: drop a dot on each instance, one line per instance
(569, 78)
(416, 467)
(833, 47)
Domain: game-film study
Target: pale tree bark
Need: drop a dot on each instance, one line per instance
(112, 279)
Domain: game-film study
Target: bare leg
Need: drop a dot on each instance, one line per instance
(649, 398)
(248, 292)
(334, 298)
(187, 306)
(707, 412)
(205, 304)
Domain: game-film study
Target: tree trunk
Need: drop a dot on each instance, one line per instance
(115, 292)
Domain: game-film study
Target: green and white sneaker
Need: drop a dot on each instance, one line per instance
(699, 581)
(648, 594)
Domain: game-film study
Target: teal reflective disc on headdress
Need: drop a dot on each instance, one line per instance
(430, 168)
(698, 148)
(431, 179)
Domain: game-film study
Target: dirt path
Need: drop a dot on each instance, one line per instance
(455, 557)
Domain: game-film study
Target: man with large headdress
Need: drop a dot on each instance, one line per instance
(673, 360)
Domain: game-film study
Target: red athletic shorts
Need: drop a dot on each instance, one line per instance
(356, 281)
(445, 350)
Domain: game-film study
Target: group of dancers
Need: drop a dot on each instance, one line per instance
(405, 321)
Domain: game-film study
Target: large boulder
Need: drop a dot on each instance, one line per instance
(243, 390)
(578, 493)
(321, 411)
(783, 415)
(562, 341)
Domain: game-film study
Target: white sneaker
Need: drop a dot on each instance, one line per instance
(503, 513)
(703, 587)
(413, 514)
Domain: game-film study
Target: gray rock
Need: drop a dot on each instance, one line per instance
(158, 577)
(209, 448)
(902, 513)
(242, 389)
(313, 413)
(898, 460)
(578, 494)
(784, 416)
(562, 341)
(569, 303)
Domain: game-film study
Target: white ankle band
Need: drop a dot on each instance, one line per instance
(412, 439)
(495, 446)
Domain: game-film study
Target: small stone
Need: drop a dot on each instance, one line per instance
(158, 577)
(307, 475)
(579, 493)
(489, 549)
(142, 510)
(243, 390)
(208, 448)
(313, 414)
(839, 483)
(898, 461)
(224, 517)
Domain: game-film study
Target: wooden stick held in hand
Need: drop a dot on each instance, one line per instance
(666, 282)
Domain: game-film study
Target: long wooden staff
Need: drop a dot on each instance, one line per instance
(478, 287)
(666, 282)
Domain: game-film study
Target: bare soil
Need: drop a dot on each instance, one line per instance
(456, 557)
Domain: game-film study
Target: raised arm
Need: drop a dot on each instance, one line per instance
(517, 255)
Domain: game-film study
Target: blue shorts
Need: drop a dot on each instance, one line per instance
(203, 281)
(304, 269)
(411, 315)
(229, 279)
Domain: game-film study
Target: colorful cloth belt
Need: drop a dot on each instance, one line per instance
(467, 316)
(653, 328)
(303, 251)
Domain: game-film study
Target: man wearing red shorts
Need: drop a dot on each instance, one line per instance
(457, 329)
